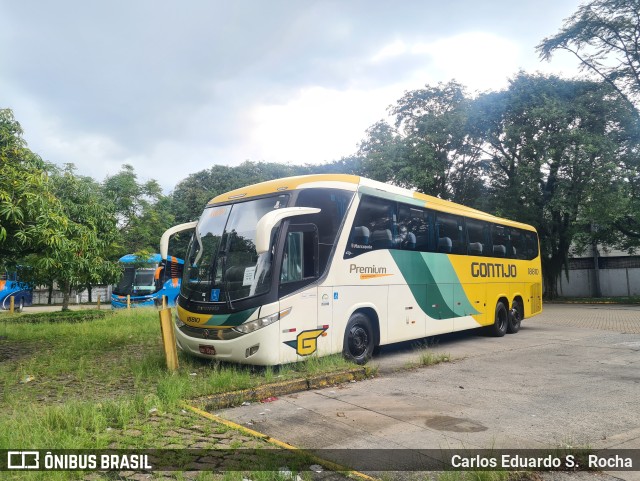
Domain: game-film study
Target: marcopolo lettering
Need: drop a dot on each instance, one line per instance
(366, 270)
(487, 269)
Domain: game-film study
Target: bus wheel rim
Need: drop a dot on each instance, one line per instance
(358, 341)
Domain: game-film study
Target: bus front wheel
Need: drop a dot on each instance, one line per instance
(501, 321)
(358, 339)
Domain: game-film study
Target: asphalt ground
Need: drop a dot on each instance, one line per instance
(569, 378)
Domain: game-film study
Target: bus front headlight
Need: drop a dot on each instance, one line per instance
(250, 326)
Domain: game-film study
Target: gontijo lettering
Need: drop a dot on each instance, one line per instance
(487, 269)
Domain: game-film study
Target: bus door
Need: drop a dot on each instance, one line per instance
(300, 328)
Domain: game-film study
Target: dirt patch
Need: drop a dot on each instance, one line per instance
(13, 351)
(82, 386)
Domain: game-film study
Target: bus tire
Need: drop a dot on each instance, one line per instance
(501, 321)
(358, 339)
(515, 318)
(20, 305)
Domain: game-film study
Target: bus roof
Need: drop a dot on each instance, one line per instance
(361, 184)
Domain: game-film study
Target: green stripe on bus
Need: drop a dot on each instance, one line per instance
(427, 274)
(230, 320)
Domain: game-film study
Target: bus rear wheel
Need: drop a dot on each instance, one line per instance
(501, 321)
(358, 339)
(515, 318)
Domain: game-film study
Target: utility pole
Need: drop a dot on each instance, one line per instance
(597, 292)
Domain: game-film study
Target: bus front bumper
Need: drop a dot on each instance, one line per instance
(259, 347)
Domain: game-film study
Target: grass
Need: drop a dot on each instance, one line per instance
(71, 383)
(479, 475)
(427, 357)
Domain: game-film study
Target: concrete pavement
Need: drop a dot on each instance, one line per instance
(570, 377)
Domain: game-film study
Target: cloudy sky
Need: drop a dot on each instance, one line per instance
(175, 87)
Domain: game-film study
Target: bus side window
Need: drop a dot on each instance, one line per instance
(374, 227)
(418, 223)
(450, 234)
(518, 249)
(500, 238)
(333, 205)
(478, 238)
(300, 257)
(532, 245)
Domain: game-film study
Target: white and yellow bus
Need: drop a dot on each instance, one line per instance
(322, 264)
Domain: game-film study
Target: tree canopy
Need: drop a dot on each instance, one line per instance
(31, 217)
(604, 35)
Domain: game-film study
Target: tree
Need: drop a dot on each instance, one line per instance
(604, 35)
(86, 241)
(192, 194)
(381, 155)
(142, 211)
(31, 218)
(555, 149)
(437, 157)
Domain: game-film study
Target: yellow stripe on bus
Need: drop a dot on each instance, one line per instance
(282, 185)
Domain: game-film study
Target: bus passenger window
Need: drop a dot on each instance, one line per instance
(500, 238)
(333, 205)
(518, 248)
(450, 234)
(532, 245)
(479, 240)
(374, 227)
(414, 231)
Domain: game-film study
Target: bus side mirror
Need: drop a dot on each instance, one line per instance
(164, 240)
(271, 219)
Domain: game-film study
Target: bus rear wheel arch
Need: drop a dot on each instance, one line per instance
(359, 339)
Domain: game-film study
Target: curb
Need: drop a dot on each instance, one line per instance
(235, 398)
(276, 442)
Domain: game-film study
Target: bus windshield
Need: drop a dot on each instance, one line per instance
(136, 281)
(222, 264)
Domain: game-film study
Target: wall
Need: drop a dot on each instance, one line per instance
(41, 295)
(619, 277)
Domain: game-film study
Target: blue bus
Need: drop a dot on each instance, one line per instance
(10, 285)
(146, 281)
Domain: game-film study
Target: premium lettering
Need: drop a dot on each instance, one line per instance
(366, 270)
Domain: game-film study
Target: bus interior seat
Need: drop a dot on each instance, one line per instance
(445, 245)
(381, 239)
(361, 235)
(410, 242)
(499, 251)
(475, 249)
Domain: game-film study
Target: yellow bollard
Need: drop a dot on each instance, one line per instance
(164, 302)
(128, 301)
(98, 301)
(168, 340)
(12, 305)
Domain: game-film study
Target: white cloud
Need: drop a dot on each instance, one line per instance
(318, 124)
(479, 60)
